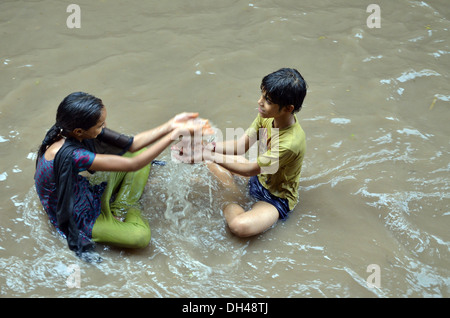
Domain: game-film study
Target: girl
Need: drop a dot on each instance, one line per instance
(79, 141)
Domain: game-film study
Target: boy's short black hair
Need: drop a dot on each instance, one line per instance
(285, 87)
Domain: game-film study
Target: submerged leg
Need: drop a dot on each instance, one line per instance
(132, 186)
(133, 232)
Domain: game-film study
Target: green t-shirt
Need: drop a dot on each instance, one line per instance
(280, 156)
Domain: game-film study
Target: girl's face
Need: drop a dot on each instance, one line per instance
(95, 130)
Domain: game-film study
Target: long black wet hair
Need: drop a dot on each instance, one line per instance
(77, 110)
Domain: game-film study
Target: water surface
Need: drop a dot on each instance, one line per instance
(375, 180)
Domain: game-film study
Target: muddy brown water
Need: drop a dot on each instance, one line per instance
(374, 216)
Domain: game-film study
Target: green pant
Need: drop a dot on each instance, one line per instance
(133, 232)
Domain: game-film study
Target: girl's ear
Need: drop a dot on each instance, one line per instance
(78, 132)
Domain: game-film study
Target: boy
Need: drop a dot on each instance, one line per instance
(275, 174)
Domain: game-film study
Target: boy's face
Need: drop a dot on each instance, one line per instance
(267, 109)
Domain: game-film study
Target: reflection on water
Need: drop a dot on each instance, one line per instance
(375, 181)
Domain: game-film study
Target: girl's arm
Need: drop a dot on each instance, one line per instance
(148, 137)
(118, 163)
(180, 125)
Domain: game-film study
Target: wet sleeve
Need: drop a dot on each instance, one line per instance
(252, 131)
(82, 159)
(112, 142)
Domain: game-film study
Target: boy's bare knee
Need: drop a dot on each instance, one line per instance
(240, 227)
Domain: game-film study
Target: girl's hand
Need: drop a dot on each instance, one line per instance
(181, 118)
(196, 128)
(190, 123)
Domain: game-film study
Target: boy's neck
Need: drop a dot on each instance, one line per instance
(283, 121)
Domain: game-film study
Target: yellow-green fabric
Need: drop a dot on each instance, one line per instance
(280, 156)
(133, 232)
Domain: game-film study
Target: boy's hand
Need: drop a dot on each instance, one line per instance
(208, 151)
(191, 129)
(188, 152)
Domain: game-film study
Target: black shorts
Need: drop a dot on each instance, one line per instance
(260, 193)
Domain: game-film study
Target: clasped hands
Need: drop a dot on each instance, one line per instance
(190, 130)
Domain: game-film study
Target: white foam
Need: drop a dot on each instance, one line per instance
(340, 121)
(413, 132)
(406, 76)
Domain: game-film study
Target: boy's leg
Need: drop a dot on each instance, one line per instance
(243, 223)
(248, 223)
(224, 176)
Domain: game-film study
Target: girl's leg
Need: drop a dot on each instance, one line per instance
(133, 232)
(132, 186)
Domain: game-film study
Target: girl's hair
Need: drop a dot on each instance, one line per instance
(77, 110)
(285, 87)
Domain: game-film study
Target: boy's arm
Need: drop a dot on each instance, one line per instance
(243, 144)
(236, 164)
(229, 154)
(234, 147)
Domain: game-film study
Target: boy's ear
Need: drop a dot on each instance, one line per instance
(290, 108)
